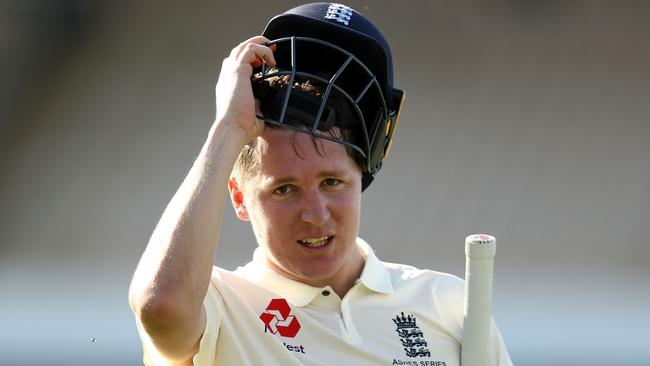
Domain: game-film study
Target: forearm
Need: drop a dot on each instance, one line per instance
(172, 277)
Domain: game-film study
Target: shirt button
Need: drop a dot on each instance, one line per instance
(326, 292)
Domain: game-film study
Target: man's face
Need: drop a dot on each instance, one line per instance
(304, 205)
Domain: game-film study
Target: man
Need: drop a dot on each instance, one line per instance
(305, 115)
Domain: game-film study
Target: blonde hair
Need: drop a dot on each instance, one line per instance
(247, 163)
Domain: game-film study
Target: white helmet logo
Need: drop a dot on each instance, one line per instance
(339, 12)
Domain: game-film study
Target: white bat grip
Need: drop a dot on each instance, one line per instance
(479, 253)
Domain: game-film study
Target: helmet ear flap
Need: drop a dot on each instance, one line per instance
(378, 141)
(382, 138)
(398, 102)
(377, 146)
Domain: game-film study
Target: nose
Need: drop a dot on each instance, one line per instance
(315, 208)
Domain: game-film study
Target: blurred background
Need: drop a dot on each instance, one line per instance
(525, 119)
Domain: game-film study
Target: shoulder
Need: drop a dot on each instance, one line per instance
(240, 285)
(437, 294)
(222, 277)
(401, 273)
(443, 286)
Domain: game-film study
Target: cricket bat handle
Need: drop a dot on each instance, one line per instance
(479, 266)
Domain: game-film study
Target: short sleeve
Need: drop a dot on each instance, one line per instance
(213, 304)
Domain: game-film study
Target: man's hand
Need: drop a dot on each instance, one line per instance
(235, 101)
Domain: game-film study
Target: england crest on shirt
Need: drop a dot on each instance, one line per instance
(411, 336)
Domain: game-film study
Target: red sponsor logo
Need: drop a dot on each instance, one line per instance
(278, 319)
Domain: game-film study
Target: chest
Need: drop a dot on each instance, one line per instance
(380, 330)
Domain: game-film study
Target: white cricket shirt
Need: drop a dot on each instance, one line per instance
(394, 315)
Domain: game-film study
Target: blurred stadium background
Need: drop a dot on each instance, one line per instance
(525, 119)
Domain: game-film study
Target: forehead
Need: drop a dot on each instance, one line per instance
(286, 153)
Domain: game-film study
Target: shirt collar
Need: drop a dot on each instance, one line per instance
(374, 276)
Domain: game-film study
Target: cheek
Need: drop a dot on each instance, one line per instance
(268, 217)
(257, 215)
(349, 207)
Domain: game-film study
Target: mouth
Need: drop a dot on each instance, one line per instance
(317, 242)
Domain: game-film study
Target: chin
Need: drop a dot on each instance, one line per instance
(316, 275)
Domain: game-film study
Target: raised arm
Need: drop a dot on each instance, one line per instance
(173, 274)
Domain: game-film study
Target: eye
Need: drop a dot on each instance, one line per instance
(331, 182)
(283, 190)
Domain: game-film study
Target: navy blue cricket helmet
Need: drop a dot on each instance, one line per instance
(338, 48)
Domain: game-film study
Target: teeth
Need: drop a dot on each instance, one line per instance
(315, 242)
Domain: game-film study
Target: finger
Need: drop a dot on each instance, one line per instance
(257, 63)
(254, 54)
(273, 47)
(257, 40)
(254, 40)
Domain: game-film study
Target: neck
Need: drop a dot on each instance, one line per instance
(341, 281)
(351, 272)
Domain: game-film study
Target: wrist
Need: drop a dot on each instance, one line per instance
(237, 128)
(224, 143)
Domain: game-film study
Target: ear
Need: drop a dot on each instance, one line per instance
(237, 198)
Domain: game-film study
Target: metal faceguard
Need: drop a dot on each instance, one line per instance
(301, 58)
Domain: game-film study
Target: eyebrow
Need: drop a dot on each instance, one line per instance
(289, 179)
